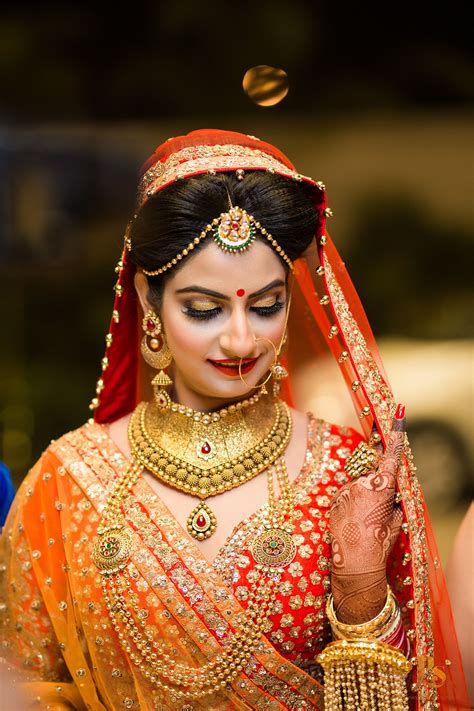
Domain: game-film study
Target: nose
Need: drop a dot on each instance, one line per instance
(238, 339)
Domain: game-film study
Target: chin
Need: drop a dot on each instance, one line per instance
(214, 386)
(231, 390)
(226, 389)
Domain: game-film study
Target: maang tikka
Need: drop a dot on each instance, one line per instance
(156, 353)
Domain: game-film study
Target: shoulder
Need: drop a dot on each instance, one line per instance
(76, 459)
(89, 442)
(341, 437)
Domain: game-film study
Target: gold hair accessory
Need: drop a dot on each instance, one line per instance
(233, 231)
(156, 353)
(361, 461)
(206, 457)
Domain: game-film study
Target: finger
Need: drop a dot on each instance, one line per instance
(390, 461)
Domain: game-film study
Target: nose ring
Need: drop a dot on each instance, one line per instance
(260, 385)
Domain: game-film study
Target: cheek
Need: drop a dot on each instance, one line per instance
(187, 339)
(271, 328)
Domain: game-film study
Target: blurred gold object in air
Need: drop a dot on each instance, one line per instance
(264, 85)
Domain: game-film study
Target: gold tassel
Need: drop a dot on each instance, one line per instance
(364, 675)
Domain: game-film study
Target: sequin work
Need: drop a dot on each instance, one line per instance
(179, 602)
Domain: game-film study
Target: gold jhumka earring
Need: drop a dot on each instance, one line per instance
(156, 353)
(277, 370)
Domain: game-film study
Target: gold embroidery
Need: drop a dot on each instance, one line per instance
(203, 159)
(382, 401)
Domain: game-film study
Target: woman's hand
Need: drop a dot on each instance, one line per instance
(364, 525)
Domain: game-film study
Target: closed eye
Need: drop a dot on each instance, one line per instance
(268, 310)
(205, 314)
(202, 314)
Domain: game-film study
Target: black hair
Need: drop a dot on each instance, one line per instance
(171, 219)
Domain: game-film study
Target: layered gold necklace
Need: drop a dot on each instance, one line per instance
(205, 454)
(253, 439)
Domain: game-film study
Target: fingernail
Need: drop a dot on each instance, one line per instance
(400, 412)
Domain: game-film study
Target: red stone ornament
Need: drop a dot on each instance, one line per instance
(201, 522)
(234, 231)
(206, 449)
(240, 292)
(151, 324)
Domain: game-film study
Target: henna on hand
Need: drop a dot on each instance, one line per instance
(364, 525)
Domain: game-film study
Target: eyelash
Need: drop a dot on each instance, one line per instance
(264, 311)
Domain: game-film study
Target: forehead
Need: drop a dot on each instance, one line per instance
(221, 271)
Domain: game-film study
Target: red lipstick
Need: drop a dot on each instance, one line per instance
(230, 367)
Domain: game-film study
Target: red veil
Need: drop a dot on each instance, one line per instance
(326, 313)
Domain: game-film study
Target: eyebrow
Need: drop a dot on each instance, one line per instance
(208, 292)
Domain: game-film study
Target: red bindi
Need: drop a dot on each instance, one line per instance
(240, 292)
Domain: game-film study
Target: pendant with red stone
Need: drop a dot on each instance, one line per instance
(205, 449)
(201, 522)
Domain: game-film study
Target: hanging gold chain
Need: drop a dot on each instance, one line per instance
(111, 554)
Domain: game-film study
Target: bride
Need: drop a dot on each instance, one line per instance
(202, 543)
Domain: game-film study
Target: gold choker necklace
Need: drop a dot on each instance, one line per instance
(203, 456)
(215, 415)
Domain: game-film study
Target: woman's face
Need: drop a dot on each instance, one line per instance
(220, 307)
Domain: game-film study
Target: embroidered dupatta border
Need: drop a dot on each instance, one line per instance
(381, 399)
(201, 159)
(287, 680)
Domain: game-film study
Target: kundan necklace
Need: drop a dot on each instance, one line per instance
(204, 455)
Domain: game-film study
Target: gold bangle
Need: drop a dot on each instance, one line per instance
(379, 635)
(374, 626)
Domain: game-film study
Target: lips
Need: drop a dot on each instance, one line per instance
(230, 367)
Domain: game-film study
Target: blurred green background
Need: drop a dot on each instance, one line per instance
(379, 108)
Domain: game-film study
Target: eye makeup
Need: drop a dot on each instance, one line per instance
(205, 310)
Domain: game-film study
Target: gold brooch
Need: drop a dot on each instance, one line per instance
(112, 549)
